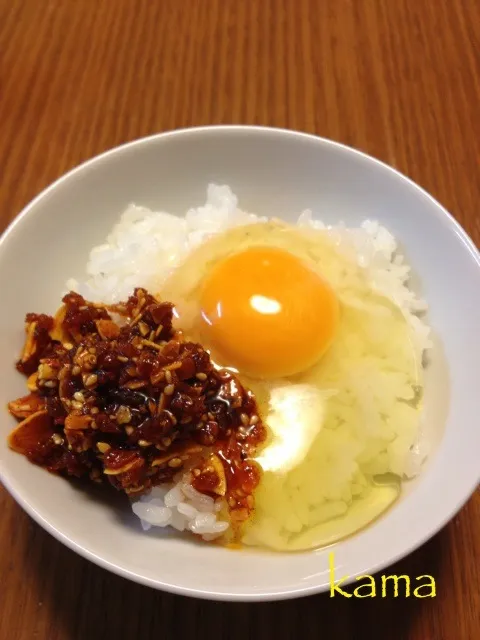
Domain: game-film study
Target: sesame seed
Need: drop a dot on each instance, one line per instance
(76, 404)
(149, 343)
(166, 442)
(144, 443)
(136, 319)
(57, 439)
(67, 346)
(78, 395)
(94, 410)
(50, 384)
(168, 376)
(129, 430)
(232, 502)
(244, 418)
(161, 402)
(174, 463)
(103, 447)
(91, 380)
(250, 502)
(144, 328)
(136, 384)
(173, 366)
(123, 415)
(201, 376)
(157, 377)
(169, 389)
(76, 370)
(196, 472)
(253, 420)
(122, 359)
(43, 371)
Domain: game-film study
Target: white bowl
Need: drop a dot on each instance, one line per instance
(274, 172)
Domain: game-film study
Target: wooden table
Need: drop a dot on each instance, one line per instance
(398, 79)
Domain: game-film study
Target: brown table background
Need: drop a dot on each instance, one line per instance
(398, 79)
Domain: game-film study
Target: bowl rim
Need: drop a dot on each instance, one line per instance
(8, 481)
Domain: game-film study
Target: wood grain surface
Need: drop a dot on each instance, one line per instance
(398, 79)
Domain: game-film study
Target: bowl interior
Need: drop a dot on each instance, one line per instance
(274, 173)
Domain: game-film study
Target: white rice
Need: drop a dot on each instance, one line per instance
(181, 507)
(145, 246)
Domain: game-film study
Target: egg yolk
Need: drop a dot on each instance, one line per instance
(266, 313)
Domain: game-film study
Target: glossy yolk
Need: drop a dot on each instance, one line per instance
(267, 314)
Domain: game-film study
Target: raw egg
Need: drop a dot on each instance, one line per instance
(331, 363)
(267, 313)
